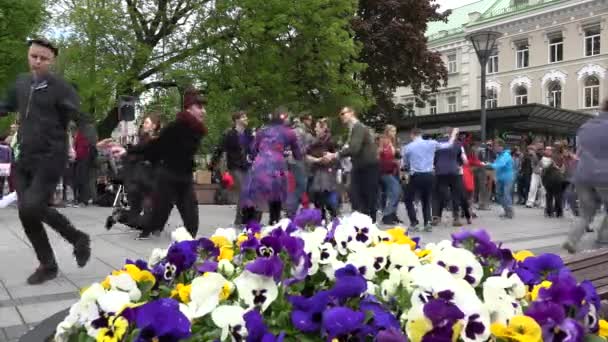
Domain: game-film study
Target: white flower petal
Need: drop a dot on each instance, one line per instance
(181, 234)
(228, 233)
(113, 301)
(256, 290)
(205, 294)
(158, 254)
(227, 317)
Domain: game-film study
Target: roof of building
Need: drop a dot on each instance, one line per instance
(489, 10)
(531, 117)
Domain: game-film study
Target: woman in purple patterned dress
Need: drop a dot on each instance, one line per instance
(267, 183)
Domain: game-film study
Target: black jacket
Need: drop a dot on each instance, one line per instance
(237, 157)
(45, 108)
(174, 149)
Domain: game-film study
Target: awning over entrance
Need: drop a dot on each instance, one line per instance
(529, 117)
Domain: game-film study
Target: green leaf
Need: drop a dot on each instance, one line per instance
(594, 338)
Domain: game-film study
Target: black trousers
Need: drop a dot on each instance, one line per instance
(35, 185)
(82, 186)
(420, 184)
(365, 181)
(323, 201)
(172, 190)
(523, 187)
(554, 198)
(249, 214)
(449, 191)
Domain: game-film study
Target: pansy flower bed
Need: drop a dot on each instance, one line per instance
(347, 280)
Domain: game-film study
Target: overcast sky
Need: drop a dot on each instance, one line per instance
(448, 4)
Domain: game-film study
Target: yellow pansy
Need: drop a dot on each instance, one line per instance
(520, 329)
(182, 292)
(226, 253)
(603, 332)
(106, 283)
(544, 285)
(226, 291)
(139, 275)
(116, 330)
(522, 255)
(421, 253)
(417, 328)
(220, 241)
(242, 238)
(399, 237)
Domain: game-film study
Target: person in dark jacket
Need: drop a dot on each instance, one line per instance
(324, 185)
(46, 104)
(138, 178)
(236, 143)
(173, 151)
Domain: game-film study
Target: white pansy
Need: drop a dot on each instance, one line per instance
(372, 288)
(364, 262)
(225, 267)
(230, 319)
(228, 233)
(282, 224)
(327, 254)
(461, 263)
(343, 235)
(312, 239)
(381, 236)
(330, 269)
(63, 330)
(256, 290)
(124, 282)
(501, 295)
(113, 301)
(158, 254)
(396, 278)
(401, 257)
(181, 234)
(379, 254)
(205, 294)
(315, 256)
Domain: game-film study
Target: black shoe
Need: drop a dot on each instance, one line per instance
(42, 274)
(143, 236)
(82, 250)
(389, 220)
(110, 222)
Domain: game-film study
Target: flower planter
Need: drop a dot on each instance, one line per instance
(45, 330)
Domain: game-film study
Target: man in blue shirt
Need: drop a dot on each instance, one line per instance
(418, 158)
(504, 177)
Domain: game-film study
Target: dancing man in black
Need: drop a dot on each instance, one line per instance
(173, 151)
(46, 104)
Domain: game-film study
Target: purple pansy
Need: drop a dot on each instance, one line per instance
(477, 241)
(382, 318)
(589, 311)
(349, 283)
(160, 320)
(442, 313)
(253, 227)
(141, 264)
(182, 255)
(208, 246)
(535, 269)
(268, 267)
(269, 246)
(341, 321)
(391, 335)
(563, 290)
(332, 230)
(308, 217)
(257, 330)
(569, 331)
(307, 313)
(207, 266)
(251, 243)
(547, 314)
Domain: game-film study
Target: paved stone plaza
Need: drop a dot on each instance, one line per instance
(22, 306)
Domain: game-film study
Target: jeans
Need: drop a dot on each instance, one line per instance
(504, 195)
(299, 173)
(591, 199)
(364, 189)
(392, 188)
(572, 199)
(420, 184)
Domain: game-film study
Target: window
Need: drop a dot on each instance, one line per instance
(523, 55)
(491, 97)
(433, 106)
(592, 41)
(451, 103)
(452, 65)
(556, 49)
(554, 95)
(592, 92)
(492, 66)
(521, 95)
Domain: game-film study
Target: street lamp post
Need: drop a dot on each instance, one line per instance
(484, 43)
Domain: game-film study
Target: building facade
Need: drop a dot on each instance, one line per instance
(551, 52)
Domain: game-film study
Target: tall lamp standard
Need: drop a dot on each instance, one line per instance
(484, 43)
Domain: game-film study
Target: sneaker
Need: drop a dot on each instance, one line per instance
(469, 221)
(414, 228)
(389, 220)
(42, 274)
(82, 250)
(569, 247)
(456, 223)
(428, 228)
(588, 229)
(436, 221)
(143, 236)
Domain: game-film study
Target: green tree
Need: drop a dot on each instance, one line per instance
(19, 20)
(394, 48)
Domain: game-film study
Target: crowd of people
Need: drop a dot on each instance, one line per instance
(279, 167)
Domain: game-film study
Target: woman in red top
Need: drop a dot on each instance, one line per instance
(389, 174)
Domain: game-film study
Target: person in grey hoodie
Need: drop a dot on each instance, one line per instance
(591, 177)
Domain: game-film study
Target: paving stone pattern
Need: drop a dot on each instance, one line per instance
(22, 305)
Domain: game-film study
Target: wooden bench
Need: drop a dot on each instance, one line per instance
(593, 266)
